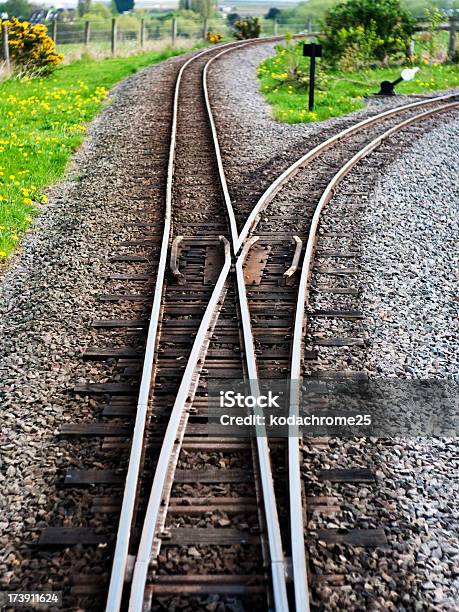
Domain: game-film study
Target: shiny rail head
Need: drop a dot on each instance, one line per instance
(296, 516)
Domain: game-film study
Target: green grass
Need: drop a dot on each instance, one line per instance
(339, 93)
(42, 122)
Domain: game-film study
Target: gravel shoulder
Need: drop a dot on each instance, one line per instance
(405, 231)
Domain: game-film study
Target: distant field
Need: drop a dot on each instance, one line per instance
(260, 6)
(255, 8)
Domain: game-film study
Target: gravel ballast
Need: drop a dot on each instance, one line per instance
(412, 299)
(405, 232)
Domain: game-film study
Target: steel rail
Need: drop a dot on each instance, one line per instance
(121, 552)
(190, 375)
(295, 498)
(221, 171)
(290, 172)
(120, 559)
(277, 560)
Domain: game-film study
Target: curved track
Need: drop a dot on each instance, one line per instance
(227, 304)
(353, 151)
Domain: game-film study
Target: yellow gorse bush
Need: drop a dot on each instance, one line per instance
(31, 48)
(214, 37)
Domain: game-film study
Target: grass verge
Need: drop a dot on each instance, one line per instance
(338, 93)
(42, 122)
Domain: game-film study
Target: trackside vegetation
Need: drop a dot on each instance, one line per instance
(42, 122)
(363, 43)
(338, 92)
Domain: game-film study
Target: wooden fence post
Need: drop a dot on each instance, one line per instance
(452, 37)
(113, 36)
(54, 30)
(142, 33)
(205, 28)
(174, 31)
(275, 27)
(5, 48)
(87, 33)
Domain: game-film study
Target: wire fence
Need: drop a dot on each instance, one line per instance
(102, 39)
(112, 38)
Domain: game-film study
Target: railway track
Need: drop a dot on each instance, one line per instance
(200, 515)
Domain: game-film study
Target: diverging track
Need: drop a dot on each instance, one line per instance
(267, 310)
(263, 302)
(202, 515)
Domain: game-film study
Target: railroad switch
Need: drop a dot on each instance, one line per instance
(387, 87)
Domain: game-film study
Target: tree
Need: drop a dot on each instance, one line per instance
(100, 12)
(304, 12)
(380, 27)
(273, 13)
(203, 7)
(16, 8)
(84, 6)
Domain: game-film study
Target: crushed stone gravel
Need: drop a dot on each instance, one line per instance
(412, 299)
(406, 232)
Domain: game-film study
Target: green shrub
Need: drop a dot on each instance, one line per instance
(247, 28)
(358, 33)
(360, 47)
